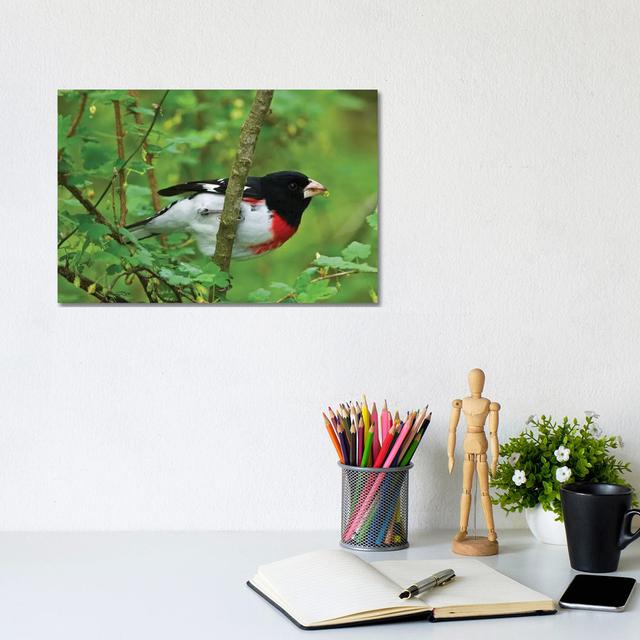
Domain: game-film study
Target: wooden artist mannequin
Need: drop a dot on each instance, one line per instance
(475, 409)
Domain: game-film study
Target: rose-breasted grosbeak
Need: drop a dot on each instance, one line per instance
(270, 213)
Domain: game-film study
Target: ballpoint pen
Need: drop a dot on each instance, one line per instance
(436, 580)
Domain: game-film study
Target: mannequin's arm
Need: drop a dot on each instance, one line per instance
(453, 425)
(494, 408)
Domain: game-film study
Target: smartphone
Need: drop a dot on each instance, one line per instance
(602, 593)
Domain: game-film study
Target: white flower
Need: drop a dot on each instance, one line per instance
(561, 454)
(563, 474)
(518, 477)
(591, 414)
(531, 419)
(595, 430)
(513, 458)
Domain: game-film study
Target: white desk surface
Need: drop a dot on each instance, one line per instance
(94, 586)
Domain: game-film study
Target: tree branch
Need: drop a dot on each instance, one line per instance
(121, 175)
(148, 157)
(139, 145)
(90, 207)
(144, 281)
(89, 286)
(237, 179)
(76, 121)
(106, 190)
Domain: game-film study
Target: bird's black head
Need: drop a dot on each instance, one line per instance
(289, 193)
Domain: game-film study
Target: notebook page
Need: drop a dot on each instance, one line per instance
(324, 585)
(475, 582)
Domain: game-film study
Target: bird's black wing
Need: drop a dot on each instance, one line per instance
(252, 189)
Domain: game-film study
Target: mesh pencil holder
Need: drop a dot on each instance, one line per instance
(375, 506)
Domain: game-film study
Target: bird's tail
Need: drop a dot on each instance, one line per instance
(139, 229)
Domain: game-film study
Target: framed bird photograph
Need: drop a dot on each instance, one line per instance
(218, 196)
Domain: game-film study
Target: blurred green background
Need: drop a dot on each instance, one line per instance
(330, 136)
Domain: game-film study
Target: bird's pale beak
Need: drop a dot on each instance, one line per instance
(313, 189)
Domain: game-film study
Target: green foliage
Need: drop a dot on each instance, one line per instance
(321, 281)
(544, 453)
(329, 135)
(372, 220)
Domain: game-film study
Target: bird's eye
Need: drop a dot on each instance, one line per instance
(293, 186)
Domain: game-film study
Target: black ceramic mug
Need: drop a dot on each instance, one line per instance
(597, 519)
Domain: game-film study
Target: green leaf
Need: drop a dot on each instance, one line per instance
(143, 110)
(334, 262)
(172, 278)
(317, 291)
(282, 288)
(64, 124)
(93, 230)
(114, 269)
(79, 179)
(259, 295)
(372, 220)
(189, 269)
(94, 156)
(108, 96)
(305, 278)
(142, 258)
(207, 279)
(116, 249)
(357, 251)
(222, 279)
(340, 264)
(138, 166)
(219, 279)
(128, 235)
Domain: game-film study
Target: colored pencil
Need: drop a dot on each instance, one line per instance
(384, 449)
(344, 418)
(406, 459)
(365, 414)
(376, 432)
(367, 460)
(334, 419)
(344, 444)
(353, 457)
(368, 444)
(414, 430)
(385, 419)
(361, 437)
(334, 438)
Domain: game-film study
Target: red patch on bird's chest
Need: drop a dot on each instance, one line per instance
(281, 231)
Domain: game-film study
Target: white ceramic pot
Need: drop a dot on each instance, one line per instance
(544, 526)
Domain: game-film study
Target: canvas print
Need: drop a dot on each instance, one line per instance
(218, 196)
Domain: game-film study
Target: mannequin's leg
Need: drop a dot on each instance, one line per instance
(465, 498)
(485, 498)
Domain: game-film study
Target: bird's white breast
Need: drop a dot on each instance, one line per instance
(200, 215)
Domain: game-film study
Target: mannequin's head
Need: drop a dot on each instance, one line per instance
(476, 382)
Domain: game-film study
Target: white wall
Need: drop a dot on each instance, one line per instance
(510, 169)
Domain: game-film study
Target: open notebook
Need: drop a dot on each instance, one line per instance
(336, 588)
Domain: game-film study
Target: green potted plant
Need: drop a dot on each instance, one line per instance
(534, 465)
